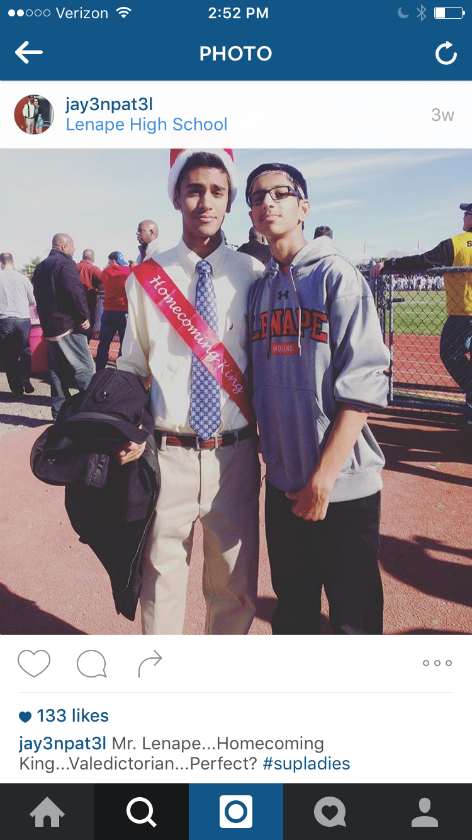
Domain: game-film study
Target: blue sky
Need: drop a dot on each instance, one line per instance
(387, 200)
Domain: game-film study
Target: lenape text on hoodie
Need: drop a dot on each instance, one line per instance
(316, 343)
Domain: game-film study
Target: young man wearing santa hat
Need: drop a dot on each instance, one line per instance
(188, 335)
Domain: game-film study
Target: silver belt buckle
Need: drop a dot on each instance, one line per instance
(216, 436)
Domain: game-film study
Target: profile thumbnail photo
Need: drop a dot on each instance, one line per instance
(236, 391)
(34, 114)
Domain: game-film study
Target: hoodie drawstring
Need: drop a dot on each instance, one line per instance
(273, 271)
(299, 311)
(272, 276)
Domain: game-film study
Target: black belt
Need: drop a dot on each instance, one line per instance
(195, 442)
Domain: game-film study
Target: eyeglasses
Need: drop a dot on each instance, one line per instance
(276, 194)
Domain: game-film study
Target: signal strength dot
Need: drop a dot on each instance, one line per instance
(123, 11)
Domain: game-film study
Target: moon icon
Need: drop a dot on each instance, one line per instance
(400, 13)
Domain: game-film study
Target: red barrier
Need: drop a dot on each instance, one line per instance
(39, 351)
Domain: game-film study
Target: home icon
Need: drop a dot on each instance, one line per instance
(46, 809)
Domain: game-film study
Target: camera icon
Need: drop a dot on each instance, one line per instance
(235, 811)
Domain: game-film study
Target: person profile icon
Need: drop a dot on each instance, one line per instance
(425, 821)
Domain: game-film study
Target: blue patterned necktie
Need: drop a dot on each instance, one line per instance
(205, 394)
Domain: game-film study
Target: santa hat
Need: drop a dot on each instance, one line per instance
(179, 157)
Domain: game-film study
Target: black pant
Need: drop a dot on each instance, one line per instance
(16, 351)
(455, 352)
(339, 552)
(111, 323)
(91, 309)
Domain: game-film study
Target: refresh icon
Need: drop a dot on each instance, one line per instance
(445, 46)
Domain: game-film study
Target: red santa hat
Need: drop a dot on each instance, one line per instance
(179, 157)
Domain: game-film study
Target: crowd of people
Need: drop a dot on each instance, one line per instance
(282, 343)
(106, 306)
(75, 302)
(418, 283)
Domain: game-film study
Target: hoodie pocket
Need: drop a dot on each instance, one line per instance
(293, 431)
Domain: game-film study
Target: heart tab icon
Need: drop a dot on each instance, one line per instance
(25, 716)
(34, 663)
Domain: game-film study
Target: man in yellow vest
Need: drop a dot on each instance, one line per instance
(456, 336)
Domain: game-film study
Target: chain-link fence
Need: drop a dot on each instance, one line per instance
(428, 336)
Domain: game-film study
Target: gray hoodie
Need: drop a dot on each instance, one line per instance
(324, 348)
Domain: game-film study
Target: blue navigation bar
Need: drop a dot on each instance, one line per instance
(270, 40)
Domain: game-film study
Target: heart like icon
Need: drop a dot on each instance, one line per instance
(34, 663)
(25, 716)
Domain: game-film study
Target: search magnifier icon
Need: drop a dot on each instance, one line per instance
(147, 818)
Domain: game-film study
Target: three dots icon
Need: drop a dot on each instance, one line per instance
(437, 662)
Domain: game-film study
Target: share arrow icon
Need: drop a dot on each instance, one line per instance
(156, 659)
(21, 52)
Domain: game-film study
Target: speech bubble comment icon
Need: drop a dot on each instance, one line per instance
(91, 663)
(327, 804)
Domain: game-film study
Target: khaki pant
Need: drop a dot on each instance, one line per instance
(221, 488)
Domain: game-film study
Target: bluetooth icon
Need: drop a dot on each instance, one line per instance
(422, 13)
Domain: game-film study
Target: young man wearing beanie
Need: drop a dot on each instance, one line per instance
(188, 335)
(318, 367)
(115, 305)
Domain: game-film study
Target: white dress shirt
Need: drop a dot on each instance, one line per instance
(28, 111)
(151, 344)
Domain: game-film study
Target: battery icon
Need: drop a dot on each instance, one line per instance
(449, 12)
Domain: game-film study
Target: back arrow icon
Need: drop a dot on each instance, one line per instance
(21, 52)
(446, 46)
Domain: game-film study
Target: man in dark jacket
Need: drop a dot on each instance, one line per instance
(64, 318)
(256, 247)
(109, 507)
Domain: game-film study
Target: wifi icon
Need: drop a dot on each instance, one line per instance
(123, 11)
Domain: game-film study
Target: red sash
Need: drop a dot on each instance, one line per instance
(196, 333)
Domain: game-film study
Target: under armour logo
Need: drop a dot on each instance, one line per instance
(283, 295)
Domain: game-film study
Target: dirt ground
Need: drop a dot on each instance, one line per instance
(50, 583)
